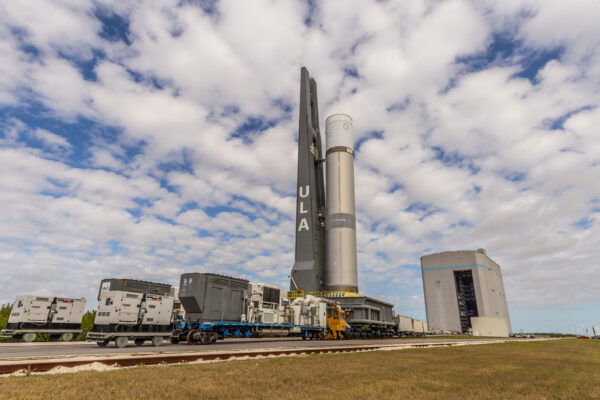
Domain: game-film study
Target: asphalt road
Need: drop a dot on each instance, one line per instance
(14, 351)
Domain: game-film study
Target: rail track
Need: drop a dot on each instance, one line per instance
(42, 365)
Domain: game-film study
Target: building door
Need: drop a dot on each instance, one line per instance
(465, 295)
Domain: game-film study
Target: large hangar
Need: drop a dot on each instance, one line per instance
(464, 291)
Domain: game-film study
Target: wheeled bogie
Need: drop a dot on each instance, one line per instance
(209, 333)
(122, 339)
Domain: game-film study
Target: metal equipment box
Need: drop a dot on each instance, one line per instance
(37, 312)
(132, 309)
(129, 305)
(404, 325)
(135, 286)
(267, 304)
(118, 308)
(368, 317)
(419, 326)
(212, 297)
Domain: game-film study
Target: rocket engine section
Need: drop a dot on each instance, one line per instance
(341, 271)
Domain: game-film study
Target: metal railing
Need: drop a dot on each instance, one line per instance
(335, 293)
(293, 294)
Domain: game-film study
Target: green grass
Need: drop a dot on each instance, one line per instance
(560, 369)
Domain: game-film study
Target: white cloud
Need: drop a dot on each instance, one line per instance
(53, 141)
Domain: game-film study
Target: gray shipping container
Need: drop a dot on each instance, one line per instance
(212, 297)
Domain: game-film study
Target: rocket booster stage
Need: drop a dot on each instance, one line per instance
(340, 223)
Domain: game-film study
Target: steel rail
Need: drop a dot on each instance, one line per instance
(174, 358)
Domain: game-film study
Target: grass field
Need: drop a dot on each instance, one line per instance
(561, 369)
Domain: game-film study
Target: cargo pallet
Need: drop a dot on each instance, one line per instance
(210, 332)
(121, 339)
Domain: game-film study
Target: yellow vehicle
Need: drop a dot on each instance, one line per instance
(336, 322)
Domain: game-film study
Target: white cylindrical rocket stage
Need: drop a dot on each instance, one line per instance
(341, 269)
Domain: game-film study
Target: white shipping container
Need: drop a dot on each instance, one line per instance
(419, 326)
(404, 324)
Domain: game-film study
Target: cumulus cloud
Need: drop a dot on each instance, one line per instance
(148, 140)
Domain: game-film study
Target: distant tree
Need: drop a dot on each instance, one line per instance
(4, 314)
(87, 323)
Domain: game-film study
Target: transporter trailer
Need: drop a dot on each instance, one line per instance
(209, 332)
(218, 306)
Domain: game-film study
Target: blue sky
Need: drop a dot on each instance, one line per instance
(146, 140)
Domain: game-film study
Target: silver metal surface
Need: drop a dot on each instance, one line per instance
(341, 266)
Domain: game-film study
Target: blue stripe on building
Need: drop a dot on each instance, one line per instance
(455, 266)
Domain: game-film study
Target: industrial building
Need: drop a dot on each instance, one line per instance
(464, 292)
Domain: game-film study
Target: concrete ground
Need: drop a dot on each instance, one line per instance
(41, 350)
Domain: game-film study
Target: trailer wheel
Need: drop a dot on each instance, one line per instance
(29, 337)
(175, 336)
(204, 337)
(103, 343)
(67, 337)
(213, 337)
(157, 341)
(121, 341)
(190, 337)
(139, 342)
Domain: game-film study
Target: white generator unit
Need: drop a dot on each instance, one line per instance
(128, 309)
(58, 317)
(266, 305)
(132, 309)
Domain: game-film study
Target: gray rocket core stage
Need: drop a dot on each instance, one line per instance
(308, 271)
(325, 256)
